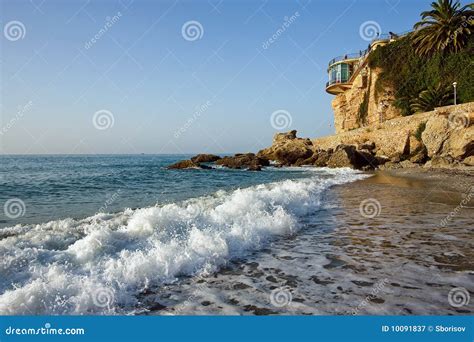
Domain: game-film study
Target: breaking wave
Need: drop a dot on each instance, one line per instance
(101, 264)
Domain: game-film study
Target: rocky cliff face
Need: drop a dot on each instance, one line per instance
(441, 138)
(363, 105)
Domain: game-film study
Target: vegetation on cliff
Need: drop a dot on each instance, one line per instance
(438, 53)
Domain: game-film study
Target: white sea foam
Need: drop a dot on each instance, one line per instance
(101, 264)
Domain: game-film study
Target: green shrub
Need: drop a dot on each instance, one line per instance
(410, 74)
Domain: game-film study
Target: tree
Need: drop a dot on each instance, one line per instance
(431, 98)
(445, 28)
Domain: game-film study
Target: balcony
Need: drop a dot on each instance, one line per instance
(335, 87)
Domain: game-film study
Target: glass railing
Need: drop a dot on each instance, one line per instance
(331, 82)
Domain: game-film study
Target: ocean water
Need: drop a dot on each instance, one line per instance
(100, 234)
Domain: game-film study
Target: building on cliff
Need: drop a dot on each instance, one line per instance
(358, 103)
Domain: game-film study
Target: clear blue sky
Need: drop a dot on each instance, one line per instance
(151, 79)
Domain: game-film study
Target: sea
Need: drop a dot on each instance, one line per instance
(123, 235)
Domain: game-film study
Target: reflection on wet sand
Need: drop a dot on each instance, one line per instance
(399, 259)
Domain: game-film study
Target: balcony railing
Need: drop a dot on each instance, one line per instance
(330, 83)
(363, 53)
(348, 56)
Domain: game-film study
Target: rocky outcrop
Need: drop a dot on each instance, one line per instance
(184, 164)
(441, 138)
(350, 156)
(444, 132)
(205, 158)
(287, 149)
(247, 160)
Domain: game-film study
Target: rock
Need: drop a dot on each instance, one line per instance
(368, 145)
(239, 161)
(282, 137)
(323, 158)
(205, 158)
(420, 156)
(348, 156)
(441, 162)
(435, 134)
(254, 168)
(366, 160)
(184, 164)
(415, 145)
(406, 164)
(287, 149)
(460, 143)
(469, 161)
(344, 156)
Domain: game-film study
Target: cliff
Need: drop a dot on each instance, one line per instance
(440, 138)
(363, 104)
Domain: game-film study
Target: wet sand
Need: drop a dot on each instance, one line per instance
(377, 246)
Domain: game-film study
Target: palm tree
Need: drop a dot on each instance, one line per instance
(431, 98)
(445, 28)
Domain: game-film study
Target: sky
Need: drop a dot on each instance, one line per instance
(142, 76)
